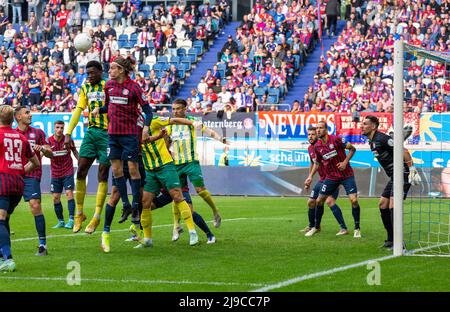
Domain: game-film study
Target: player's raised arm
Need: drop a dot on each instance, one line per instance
(213, 134)
(76, 114)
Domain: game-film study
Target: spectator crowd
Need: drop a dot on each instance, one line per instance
(257, 67)
(356, 74)
(40, 68)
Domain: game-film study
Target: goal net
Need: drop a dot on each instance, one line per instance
(426, 212)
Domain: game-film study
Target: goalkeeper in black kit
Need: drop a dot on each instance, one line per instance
(382, 146)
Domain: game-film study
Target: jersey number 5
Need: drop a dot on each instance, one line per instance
(13, 150)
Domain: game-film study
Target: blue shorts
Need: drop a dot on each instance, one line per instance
(9, 202)
(330, 186)
(125, 147)
(164, 199)
(126, 172)
(58, 184)
(316, 190)
(32, 189)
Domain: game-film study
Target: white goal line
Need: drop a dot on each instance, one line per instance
(338, 269)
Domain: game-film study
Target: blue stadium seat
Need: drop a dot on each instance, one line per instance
(51, 44)
(192, 58)
(259, 91)
(147, 9)
(123, 37)
(181, 52)
(143, 67)
(181, 74)
(163, 59)
(193, 52)
(134, 37)
(186, 64)
(132, 42)
(175, 59)
(274, 92)
(272, 99)
(158, 67)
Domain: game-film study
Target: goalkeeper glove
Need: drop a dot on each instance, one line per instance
(414, 177)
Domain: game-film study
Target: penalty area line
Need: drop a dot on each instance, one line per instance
(302, 278)
(127, 281)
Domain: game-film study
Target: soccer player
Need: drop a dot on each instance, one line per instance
(331, 200)
(164, 198)
(62, 174)
(15, 150)
(382, 146)
(94, 145)
(185, 155)
(161, 173)
(330, 153)
(32, 180)
(123, 99)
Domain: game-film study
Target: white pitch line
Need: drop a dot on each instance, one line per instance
(106, 280)
(125, 230)
(335, 270)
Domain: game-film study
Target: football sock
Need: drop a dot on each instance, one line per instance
(386, 218)
(40, 228)
(146, 222)
(109, 215)
(176, 215)
(71, 206)
(391, 212)
(356, 212)
(81, 191)
(200, 222)
(7, 226)
(122, 187)
(137, 221)
(5, 242)
(136, 192)
(59, 211)
(206, 195)
(319, 214)
(337, 212)
(186, 214)
(311, 217)
(102, 189)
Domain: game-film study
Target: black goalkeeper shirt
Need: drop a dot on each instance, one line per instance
(382, 146)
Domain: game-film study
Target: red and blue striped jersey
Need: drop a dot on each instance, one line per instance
(329, 154)
(61, 163)
(15, 151)
(36, 137)
(312, 156)
(123, 101)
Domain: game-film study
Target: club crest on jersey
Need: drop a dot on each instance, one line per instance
(125, 92)
(32, 136)
(331, 146)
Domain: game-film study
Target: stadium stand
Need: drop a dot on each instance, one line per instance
(167, 42)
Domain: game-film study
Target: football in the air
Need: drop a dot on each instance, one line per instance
(82, 42)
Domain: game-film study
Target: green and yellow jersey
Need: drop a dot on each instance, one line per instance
(156, 154)
(91, 97)
(184, 143)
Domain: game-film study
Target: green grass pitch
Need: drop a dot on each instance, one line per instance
(258, 245)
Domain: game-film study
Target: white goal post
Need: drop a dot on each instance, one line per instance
(428, 216)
